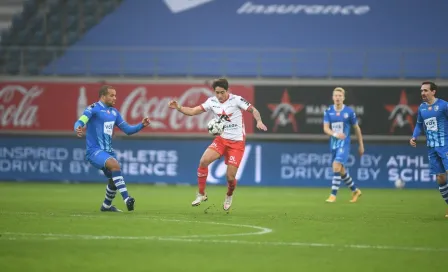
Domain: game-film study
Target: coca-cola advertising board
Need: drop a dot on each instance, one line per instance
(54, 107)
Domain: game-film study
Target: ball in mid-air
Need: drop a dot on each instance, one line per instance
(215, 127)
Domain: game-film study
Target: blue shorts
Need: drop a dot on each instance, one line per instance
(340, 155)
(98, 159)
(438, 159)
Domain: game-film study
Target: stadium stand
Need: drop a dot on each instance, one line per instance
(165, 38)
(42, 30)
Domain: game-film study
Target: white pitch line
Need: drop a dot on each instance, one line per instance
(54, 236)
(260, 230)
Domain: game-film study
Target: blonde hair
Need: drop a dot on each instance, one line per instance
(339, 89)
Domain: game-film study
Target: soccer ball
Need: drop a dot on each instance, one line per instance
(215, 127)
(399, 184)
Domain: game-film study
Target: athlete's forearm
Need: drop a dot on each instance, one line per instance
(129, 130)
(255, 113)
(328, 131)
(190, 111)
(417, 130)
(359, 135)
(82, 121)
(185, 110)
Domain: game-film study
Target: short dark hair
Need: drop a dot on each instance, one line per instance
(432, 85)
(104, 90)
(220, 82)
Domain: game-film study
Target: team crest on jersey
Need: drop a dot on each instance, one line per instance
(345, 115)
(436, 107)
(114, 113)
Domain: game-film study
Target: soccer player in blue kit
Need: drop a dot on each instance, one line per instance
(432, 118)
(338, 119)
(100, 118)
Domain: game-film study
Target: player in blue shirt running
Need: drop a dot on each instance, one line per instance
(338, 119)
(100, 118)
(432, 118)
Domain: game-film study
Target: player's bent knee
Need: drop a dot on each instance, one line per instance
(441, 179)
(337, 167)
(112, 164)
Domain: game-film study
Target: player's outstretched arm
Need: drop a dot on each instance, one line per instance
(131, 129)
(257, 117)
(358, 134)
(186, 110)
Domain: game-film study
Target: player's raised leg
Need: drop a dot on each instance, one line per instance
(347, 179)
(114, 167)
(211, 154)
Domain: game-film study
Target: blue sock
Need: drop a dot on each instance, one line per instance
(349, 182)
(110, 195)
(335, 183)
(444, 192)
(119, 183)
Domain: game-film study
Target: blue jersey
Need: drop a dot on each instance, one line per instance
(340, 122)
(100, 120)
(433, 120)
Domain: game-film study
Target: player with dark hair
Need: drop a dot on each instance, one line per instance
(432, 118)
(231, 143)
(100, 118)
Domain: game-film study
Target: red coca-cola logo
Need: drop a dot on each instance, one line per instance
(16, 106)
(139, 104)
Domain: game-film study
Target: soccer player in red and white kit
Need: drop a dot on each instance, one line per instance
(231, 143)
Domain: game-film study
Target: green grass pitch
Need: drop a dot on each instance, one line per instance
(58, 227)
